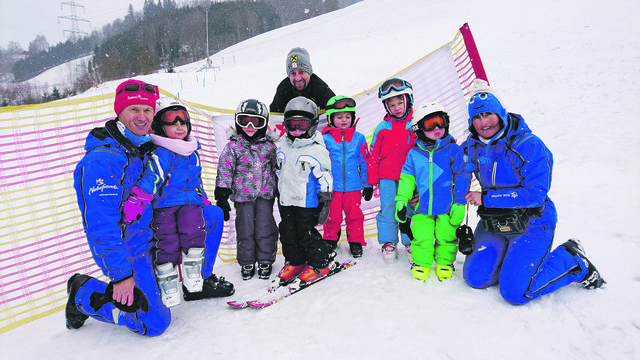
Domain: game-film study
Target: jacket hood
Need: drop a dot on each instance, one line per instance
(515, 126)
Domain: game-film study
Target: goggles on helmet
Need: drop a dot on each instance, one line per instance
(393, 84)
(342, 104)
(151, 89)
(299, 123)
(431, 124)
(257, 122)
(171, 117)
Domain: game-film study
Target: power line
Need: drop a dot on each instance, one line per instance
(75, 32)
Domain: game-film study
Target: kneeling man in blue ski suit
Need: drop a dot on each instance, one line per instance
(119, 156)
(513, 242)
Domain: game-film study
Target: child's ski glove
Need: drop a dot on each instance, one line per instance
(401, 211)
(132, 208)
(324, 200)
(222, 195)
(456, 215)
(367, 193)
(405, 228)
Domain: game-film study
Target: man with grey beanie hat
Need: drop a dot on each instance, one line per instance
(301, 81)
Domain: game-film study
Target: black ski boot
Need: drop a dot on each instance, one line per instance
(333, 244)
(264, 270)
(356, 249)
(213, 287)
(248, 271)
(75, 319)
(593, 279)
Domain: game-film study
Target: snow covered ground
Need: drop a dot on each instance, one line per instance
(570, 68)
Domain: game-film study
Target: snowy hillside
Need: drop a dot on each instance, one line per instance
(570, 68)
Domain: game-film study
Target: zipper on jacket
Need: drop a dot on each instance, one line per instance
(430, 182)
(493, 173)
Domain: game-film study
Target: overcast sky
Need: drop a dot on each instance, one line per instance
(23, 20)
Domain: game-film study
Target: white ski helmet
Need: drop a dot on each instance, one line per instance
(425, 112)
(163, 105)
(394, 87)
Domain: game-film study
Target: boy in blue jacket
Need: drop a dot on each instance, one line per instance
(436, 167)
(349, 152)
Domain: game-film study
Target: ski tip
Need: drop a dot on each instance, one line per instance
(238, 304)
(259, 304)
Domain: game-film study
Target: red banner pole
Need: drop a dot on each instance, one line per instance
(472, 50)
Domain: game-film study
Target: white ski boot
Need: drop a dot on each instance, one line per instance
(168, 282)
(192, 269)
(389, 253)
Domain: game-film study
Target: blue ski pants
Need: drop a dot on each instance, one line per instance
(157, 319)
(386, 218)
(522, 264)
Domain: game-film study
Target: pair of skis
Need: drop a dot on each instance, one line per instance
(277, 292)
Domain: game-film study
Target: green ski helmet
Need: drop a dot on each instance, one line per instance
(340, 103)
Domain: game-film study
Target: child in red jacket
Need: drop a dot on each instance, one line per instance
(392, 140)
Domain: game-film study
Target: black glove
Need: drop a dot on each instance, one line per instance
(465, 239)
(97, 300)
(367, 193)
(222, 195)
(405, 228)
(401, 211)
(324, 200)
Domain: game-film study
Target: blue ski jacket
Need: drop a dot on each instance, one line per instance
(349, 153)
(181, 179)
(514, 170)
(103, 179)
(438, 174)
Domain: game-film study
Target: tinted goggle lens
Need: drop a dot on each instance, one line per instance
(342, 104)
(172, 117)
(136, 87)
(431, 124)
(301, 124)
(393, 84)
(256, 122)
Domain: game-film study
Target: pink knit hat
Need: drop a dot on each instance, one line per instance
(135, 92)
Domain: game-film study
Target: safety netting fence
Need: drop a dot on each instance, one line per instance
(42, 241)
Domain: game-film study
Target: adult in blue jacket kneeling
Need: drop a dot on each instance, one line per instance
(514, 237)
(116, 216)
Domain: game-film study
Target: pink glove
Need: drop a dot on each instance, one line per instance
(132, 208)
(205, 201)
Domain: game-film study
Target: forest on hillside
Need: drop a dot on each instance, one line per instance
(160, 37)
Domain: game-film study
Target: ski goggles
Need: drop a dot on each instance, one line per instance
(431, 124)
(257, 122)
(298, 123)
(151, 89)
(394, 84)
(172, 117)
(342, 104)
